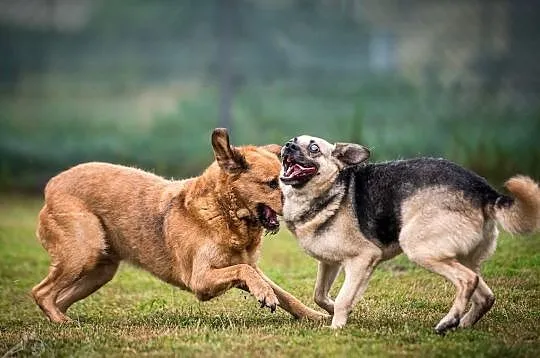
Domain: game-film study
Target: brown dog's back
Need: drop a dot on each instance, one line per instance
(118, 185)
(128, 203)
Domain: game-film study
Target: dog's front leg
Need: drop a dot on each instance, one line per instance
(207, 282)
(326, 275)
(291, 304)
(357, 273)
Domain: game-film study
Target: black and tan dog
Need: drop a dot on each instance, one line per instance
(201, 234)
(352, 215)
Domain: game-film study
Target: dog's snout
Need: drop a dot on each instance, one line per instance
(292, 146)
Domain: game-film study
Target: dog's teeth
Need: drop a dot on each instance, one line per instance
(289, 171)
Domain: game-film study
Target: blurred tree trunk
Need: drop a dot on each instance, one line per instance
(523, 68)
(226, 14)
(10, 66)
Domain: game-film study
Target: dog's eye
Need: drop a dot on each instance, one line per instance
(274, 183)
(314, 148)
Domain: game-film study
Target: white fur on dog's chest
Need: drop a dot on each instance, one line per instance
(330, 235)
(325, 247)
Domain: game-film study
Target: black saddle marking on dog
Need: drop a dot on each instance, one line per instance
(380, 189)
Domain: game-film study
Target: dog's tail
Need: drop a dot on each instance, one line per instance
(520, 214)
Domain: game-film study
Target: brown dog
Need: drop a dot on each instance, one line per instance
(201, 234)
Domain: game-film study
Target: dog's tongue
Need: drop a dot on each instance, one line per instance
(294, 170)
(297, 169)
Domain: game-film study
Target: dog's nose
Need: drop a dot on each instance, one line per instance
(292, 146)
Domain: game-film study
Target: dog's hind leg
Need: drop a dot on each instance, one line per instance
(482, 298)
(326, 275)
(74, 239)
(465, 281)
(41, 293)
(89, 282)
(482, 301)
(434, 240)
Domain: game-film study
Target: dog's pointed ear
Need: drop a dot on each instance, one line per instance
(273, 148)
(229, 158)
(350, 153)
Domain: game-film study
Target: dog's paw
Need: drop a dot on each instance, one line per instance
(338, 322)
(266, 297)
(325, 303)
(334, 327)
(446, 324)
(62, 319)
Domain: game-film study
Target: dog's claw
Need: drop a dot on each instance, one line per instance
(272, 306)
(441, 333)
(446, 325)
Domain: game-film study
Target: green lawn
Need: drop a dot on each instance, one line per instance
(136, 314)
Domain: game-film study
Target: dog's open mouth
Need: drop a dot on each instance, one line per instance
(295, 172)
(268, 218)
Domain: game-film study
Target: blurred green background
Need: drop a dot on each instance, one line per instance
(143, 83)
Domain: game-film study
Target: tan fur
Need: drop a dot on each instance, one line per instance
(200, 234)
(435, 212)
(442, 231)
(341, 245)
(523, 217)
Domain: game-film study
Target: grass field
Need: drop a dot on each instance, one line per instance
(136, 314)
